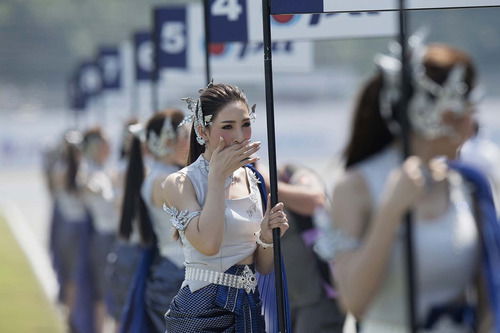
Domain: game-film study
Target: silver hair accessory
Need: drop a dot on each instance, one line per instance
(196, 115)
(73, 137)
(138, 131)
(157, 144)
(253, 114)
(429, 100)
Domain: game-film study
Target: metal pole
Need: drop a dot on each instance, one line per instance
(206, 10)
(155, 74)
(405, 137)
(271, 138)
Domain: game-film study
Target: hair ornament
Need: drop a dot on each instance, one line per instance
(429, 99)
(253, 114)
(195, 115)
(138, 131)
(157, 144)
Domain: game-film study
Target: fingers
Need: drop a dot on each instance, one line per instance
(266, 214)
(220, 146)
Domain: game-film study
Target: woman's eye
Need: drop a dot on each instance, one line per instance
(246, 125)
(227, 127)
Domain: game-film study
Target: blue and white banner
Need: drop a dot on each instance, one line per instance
(324, 6)
(143, 56)
(109, 62)
(89, 79)
(241, 20)
(170, 35)
(76, 99)
(181, 39)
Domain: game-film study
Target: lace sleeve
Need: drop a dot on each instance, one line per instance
(334, 241)
(331, 240)
(180, 219)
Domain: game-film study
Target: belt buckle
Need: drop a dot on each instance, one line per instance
(247, 280)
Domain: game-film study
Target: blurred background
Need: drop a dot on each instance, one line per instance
(42, 42)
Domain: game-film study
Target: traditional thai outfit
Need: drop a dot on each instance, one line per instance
(167, 270)
(447, 256)
(101, 205)
(217, 294)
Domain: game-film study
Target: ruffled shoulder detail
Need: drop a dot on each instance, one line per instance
(180, 219)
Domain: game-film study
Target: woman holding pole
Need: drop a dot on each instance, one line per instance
(370, 201)
(216, 205)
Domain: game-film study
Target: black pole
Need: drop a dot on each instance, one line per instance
(155, 73)
(271, 138)
(206, 13)
(405, 137)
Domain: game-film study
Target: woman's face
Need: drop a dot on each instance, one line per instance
(461, 124)
(232, 123)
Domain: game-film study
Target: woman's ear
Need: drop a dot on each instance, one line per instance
(203, 132)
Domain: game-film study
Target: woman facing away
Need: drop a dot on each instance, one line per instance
(167, 143)
(70, 223)
(160, 272)
(100, 201)
(371, 199)
(216, 206)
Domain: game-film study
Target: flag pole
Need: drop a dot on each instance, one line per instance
(206, 14)
(271, 138)
(406, 152)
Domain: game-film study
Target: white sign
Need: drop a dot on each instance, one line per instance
(364, 5)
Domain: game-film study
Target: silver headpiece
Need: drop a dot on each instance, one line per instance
(138, 131)
(429, 100)
(157, 144)
(195, 115)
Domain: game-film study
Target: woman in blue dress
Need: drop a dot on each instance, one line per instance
(216, 206)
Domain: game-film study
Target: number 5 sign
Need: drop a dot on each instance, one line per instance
(170, 37)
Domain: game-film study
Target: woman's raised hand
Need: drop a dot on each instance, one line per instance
(409, 183)
(226, 160)
(273, 218)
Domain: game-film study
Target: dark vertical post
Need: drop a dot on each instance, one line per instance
(271, 138)
(134, 90)
(405, 133)
(155, 74)
(206, 12)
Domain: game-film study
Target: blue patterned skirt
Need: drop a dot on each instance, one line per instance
(164, 281)
(216, 308)
(121, 267)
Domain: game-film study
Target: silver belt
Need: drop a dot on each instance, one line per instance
(247, 280)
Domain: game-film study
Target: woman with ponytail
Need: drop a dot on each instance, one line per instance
(217, 204)
(455, 230)
(99, 197)
(124, 259)
(70, 223)
(160, 272)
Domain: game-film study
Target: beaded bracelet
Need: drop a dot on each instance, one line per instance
(260, 242)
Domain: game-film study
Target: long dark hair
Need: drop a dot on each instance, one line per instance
(213, 99)
(72, 155)
(369, 131)
(133, 207)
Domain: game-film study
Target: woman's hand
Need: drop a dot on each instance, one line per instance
(409, 183)
(226, 160)
(273, 218)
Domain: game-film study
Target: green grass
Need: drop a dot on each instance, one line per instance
(23, 305)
